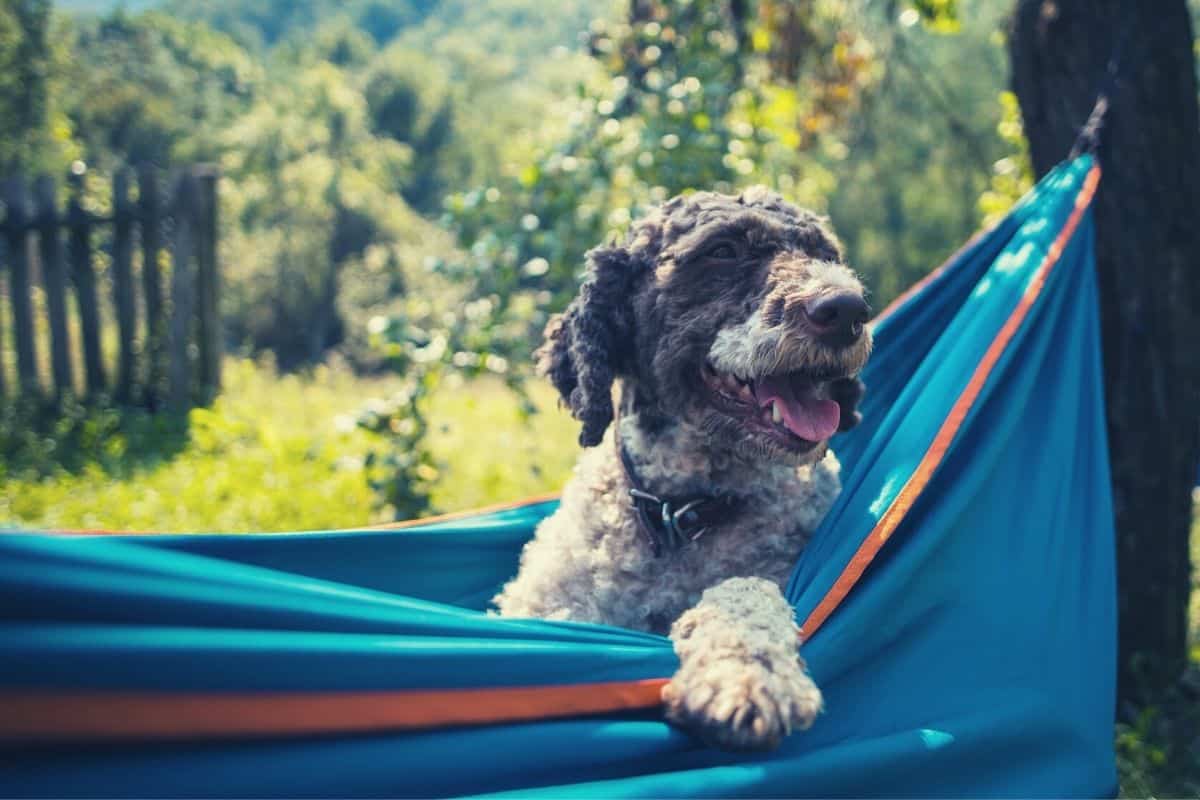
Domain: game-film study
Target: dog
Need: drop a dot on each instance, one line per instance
(735, 333)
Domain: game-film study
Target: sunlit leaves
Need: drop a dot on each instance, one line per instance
(314, 189)
(1012, 176)
(152, 88)
(940, 16)
(819, 51)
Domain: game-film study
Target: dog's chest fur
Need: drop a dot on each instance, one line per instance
(589, 562)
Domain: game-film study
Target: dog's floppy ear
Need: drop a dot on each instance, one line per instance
(589, 344)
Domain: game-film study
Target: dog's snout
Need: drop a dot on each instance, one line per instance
(838, 319)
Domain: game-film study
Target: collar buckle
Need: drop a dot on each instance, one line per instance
(679, 527)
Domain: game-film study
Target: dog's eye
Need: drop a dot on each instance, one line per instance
(721, 252)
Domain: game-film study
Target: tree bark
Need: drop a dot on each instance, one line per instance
(1148, 260)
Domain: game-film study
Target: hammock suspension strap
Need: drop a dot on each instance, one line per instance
(1088, 140)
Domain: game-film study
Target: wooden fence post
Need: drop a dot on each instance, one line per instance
(183, 286)
(151, 229)
(79, 246)
(183, 353)
(208, 280)
(20, 258)
(54, 281)
(123, 215)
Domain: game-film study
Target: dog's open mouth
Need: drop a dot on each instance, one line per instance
(792, 407)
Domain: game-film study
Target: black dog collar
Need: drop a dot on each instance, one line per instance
(668, 524)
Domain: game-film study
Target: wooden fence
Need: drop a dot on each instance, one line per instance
(164, 305)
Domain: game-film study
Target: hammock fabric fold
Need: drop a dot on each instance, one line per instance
(957, 606)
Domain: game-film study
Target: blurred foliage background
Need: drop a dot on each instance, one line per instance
(409, 187)
(408, 190)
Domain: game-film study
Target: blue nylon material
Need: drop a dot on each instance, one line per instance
(975, 657)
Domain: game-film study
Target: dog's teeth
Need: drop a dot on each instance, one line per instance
(776, 415)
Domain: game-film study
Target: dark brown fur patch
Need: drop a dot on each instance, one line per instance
(650, 308)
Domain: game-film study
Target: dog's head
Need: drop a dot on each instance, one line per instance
(733, 314)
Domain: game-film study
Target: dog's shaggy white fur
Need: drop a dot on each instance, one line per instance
(741, 683)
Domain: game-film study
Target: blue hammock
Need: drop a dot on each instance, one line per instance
(958, 603)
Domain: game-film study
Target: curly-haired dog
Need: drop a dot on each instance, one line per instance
(736, 335)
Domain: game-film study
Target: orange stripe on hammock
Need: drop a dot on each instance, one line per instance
(57, 716)
(456, 515)
(917, 482)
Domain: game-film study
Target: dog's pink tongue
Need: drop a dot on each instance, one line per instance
(809, 417)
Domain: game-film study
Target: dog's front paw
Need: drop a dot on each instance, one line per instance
(742, 705)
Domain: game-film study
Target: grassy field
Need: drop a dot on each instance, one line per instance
(280, 453)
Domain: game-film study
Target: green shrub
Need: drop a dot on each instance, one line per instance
(1158, 751)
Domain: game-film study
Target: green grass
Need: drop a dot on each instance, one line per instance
(489, 453)
(279, 453)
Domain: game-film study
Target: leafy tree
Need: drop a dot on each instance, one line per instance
(339, 42)
(150, 88)
(33, 134)
(261, 24)
(409, 103)
(311, 189)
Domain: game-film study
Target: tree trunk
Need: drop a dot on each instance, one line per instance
(1148, 259)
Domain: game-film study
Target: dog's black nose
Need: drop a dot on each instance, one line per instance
(838, 319)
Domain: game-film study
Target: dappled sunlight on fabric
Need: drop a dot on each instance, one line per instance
(880, 504)
(935, 740)
(1013, 261)
(1036, 227)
